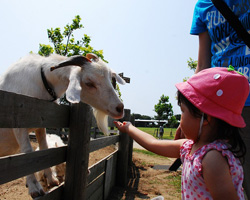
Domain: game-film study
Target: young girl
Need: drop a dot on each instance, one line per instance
(211, 103)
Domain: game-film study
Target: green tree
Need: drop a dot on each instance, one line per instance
(64, 43)
(164, 108)
(178, 117)
(139, 116)
(136, 116)
(192, 64)
(173, 123)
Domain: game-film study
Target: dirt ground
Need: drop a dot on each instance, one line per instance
(145, 182)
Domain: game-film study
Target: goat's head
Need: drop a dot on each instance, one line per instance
(91, 84)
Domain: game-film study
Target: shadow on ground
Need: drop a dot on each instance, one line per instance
(131, 191)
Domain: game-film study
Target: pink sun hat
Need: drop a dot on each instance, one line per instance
(220, 92)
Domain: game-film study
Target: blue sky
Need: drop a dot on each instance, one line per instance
(148, 40)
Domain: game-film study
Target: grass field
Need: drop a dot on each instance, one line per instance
(166, 135)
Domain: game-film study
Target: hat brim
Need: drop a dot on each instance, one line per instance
(209, 107)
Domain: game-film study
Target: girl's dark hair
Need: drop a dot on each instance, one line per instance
(225, 131)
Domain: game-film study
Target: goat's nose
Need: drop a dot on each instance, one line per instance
(120, 108)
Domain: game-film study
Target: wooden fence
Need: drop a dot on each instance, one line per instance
(17, 111)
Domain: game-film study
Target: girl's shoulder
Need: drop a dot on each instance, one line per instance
(219, 145)
(217, 150)
(220, 149)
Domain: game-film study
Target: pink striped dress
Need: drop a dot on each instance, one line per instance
(193, 186)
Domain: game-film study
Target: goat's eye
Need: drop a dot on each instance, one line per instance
(90, 85)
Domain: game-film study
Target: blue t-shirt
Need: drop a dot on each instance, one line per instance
(226, 48)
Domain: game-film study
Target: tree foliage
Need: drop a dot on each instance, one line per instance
(192, 64)
(64, 43)
(164, 108)
(139, 116)
(173, 122)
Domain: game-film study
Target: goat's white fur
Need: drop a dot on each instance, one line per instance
(102, 120)
(24, 77)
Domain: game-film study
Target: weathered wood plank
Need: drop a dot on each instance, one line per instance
(122, 159)
(99, 167)
(103, 142)
(98, 194)
(78, 152)
(18, 111)
(16, 166)
(55, 194)
(95, 189)
(110, 174)
(96, 169)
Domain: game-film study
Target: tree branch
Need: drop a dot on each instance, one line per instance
(66, 49)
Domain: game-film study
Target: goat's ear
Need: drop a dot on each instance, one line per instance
(118, 78)
(92, 56)
(73, 92)
(73, 60)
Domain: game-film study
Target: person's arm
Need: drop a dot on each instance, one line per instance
(204, 54)
(167, 148)
(217, 176)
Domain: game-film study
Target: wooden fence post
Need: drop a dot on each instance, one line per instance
(131, 144)
(122, 159)
(78, 152)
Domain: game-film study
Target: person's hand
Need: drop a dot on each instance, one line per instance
(123, 127)
(179, 134)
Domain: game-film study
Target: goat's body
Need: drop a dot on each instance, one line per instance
(24, 77)
(8, 142)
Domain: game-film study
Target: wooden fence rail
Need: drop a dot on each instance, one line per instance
(17, 111)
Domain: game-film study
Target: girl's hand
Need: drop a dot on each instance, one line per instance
(123, 127)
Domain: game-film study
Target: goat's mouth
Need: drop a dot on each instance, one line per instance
(117, 115)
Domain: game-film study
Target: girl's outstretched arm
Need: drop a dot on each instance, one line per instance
(168, 148)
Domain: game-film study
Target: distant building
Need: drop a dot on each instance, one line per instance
(149, 122)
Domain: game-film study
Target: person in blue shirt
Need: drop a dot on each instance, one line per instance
(219, 46)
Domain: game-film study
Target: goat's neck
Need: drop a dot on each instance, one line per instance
(58, 79)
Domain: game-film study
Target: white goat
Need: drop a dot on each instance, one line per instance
(85, 79)
(58, 171)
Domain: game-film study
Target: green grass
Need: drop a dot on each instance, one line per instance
(166, 135)
(175, 180)
(148, 153)
(152, 131)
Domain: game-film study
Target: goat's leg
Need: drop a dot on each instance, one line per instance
(22, 137)
(41, 138)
